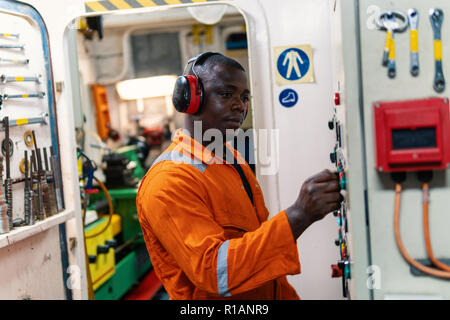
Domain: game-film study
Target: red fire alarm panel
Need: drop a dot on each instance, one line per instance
(412, 135)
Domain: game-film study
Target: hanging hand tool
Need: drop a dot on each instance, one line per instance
(28, 196)
(4, 219)
(392, 22)
(8, 182)
(4, 79)
(392, 69)
(436, 18)
(12, 46)
(57, 186)
(42, 181)
(16, 61)
(413, 17)
(50, 183)
(389, 36)
(43, 185)
(10, 35)
(37, 192)
(26, 121)
(4, 97)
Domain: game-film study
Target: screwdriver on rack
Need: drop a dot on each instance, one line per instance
(4, 219)
(8, 182)
(50, 183)
(28, 194)
(37, 192)
(57, 185)
(43, 186)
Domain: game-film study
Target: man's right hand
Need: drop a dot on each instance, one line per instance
(319, 195)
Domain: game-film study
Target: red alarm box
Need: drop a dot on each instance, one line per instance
(412, 135)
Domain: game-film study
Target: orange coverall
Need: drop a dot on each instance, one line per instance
(204, 238)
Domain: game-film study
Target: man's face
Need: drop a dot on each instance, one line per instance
(226, 96)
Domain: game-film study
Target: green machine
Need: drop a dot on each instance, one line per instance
(131, 256)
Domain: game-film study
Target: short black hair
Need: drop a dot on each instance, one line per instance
(209, 61)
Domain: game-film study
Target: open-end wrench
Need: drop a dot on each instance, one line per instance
(4, 97)
(392, 68)
(389, 34)
(10, 35)
(392, 22)
(16, 61)
(413, 17)
(26, 121)
(12, 46)
(436, 18)
(4, 79)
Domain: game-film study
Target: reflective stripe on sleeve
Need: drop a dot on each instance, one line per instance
(222, 270)
(178, 157)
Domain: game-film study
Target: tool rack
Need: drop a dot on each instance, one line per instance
(28, 116)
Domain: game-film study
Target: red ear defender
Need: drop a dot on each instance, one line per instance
(187, 94)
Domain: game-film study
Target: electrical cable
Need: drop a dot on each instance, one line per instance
(408, 258)
(110, 205)
(111, 211)
(426, 229)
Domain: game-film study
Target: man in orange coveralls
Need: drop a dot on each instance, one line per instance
(205, 238)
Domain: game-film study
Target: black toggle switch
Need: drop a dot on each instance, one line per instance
(111, 243)
(102, 249)
(331, 124)
(92, 258)
(333, 157)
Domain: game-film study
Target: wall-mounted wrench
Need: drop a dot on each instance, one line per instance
(17, 61)
(10, 35)
(4, 79)
(436, 18)
(12, 46)
(26, 121)
(392, 22)
(4, 97)
(392, 68)
(389, 36)
(413, 17)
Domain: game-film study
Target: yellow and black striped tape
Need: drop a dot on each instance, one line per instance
(111, 5)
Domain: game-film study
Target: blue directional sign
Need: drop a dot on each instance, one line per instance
(288, 98)
(293, 64)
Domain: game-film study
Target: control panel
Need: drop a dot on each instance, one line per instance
(391, 120)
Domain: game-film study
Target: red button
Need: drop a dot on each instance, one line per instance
(337, 99)
(336, 272)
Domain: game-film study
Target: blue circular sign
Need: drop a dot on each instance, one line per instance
(293, 64)
(288, 98)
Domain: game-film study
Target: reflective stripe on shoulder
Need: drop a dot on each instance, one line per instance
(178, 157)
(222, 269)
